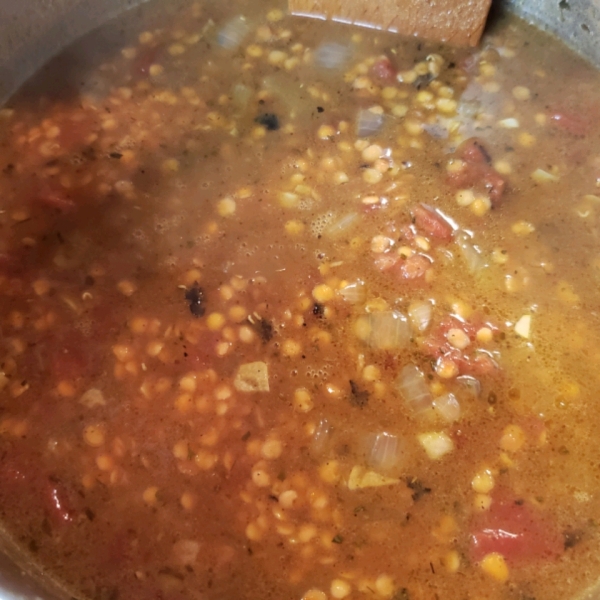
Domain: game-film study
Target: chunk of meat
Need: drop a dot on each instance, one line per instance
(474, 152)
(516, 530)
(432, 222)
(477, 171)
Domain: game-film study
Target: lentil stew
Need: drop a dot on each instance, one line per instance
(295, 310)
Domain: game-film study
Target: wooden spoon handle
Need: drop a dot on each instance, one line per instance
(458, 22)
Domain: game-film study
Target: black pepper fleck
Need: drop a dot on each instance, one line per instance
(268, 120)
(358, 397)
(196, 300)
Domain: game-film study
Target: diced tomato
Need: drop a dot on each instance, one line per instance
(410, 268)
(569, 122)
(408, 232)
(384, 70)
(384, 262)
(468, 361)
(516, 530)
(432, 222)
(403, 233)
(413, 267)
(477, 171)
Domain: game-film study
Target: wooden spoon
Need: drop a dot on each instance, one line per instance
(458, 22)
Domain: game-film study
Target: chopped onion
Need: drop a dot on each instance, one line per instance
(383, 451)
(368, 123)
(354, 292)
(387, 330)
(95, 86)
(332, 55)
(471, 253)
(291, 96)
(360, 478)
(288, 199)
(414, 389)
(241, 96)
(252, 377)
(321, 438)
(436, 131)
(509, 123)
(419, 313)
(341, 225)
(470, 385)
(541, 176)
(436, 444)
(447, 407)
(523, 326)
(93, 397)
(233, 33)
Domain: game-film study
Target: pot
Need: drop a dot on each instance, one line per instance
(32, 31)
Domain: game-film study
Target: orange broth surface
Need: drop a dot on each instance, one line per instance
(296, 310)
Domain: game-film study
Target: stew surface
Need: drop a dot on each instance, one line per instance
(296, 310)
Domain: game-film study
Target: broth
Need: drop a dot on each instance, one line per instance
(292, 309)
